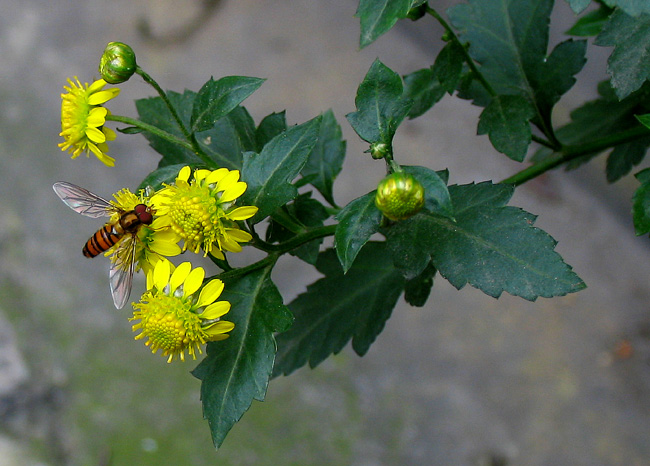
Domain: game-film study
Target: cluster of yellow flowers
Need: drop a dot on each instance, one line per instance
(178, 312)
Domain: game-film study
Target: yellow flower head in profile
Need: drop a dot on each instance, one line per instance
(83, 118)
(201, 210)
(153, 241)
(175, 317)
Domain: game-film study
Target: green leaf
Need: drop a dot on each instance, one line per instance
(436, 194)
(326, 159)
(578, 5)
(448, 66)
(380, 105)
(166, 174)
(509, 39)
(236, 371)
(641, 205)
(628, 64)
(269, 174)
(493, 247)
(505, 120)
(306, 212)
(631, 7)
(228, 139)
(358, 221)
(340, 307)
(379, 16)
(644, 119)
(418, 289)
(592, 23)
(218, 98)
(624, 157)
(154, 112)
(423, 89)
(269, 127)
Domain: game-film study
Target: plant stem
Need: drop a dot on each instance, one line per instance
(151, 129)
(575, 151)
(268, 261)
(299, 240)
(468, 59)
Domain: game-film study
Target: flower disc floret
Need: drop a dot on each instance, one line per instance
(83, 119)
(201, 210)
(175, 317)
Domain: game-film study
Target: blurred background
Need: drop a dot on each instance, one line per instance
(466, 380)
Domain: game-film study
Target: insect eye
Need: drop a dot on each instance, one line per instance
(140, 209)
(145, 217)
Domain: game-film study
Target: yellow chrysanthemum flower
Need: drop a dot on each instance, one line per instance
(201, 210)
(153, 241)
(83, 118)
(174, 317)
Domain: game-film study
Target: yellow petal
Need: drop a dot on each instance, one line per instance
(222, 326)
(184, 174)
(161, 274)
(165, 248)
(201, 174)
(233, 192)
(193, 281)
(101, 97)
(216, 175)
(242, 213)
(179, 275)
(210, 293)
(216, 310)
(238, 235)
(227, 181)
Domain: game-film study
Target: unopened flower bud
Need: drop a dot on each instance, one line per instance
(379, 150)
(117, 63)
(399, 196)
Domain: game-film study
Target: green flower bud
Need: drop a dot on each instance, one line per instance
(399, 196)
(117, 63)
(418, 12)
(379, 150)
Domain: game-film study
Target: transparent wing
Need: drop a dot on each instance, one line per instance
(83, 201)
(121, 271)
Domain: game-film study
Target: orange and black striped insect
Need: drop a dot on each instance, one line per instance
(123, 230)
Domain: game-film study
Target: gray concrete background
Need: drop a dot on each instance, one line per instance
(467, 380)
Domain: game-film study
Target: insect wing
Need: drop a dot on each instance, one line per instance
(83, 201)
(121, 271)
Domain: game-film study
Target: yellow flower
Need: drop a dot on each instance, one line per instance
(174, 316)
(83, 118)
(201, 210)
(153, 241)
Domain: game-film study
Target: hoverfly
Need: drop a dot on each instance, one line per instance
(124, 231)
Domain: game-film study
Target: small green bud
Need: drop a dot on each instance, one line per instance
(117, 63)
(418, 12)
(379, 150)
(399, 196)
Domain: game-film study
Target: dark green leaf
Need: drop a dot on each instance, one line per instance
(380, 105)
(326, 159)
(628, 64)
(509, 40)
(340, 307)
(269, 127)
(592, 23)
(493, 247)
(269, 174)
(306, 212)
(641, 206)
(624, 157)
(358, 221)
(154, 112)
(228, 139)
(418, 289)
(578, 5)
(378, 16)
(218, 98)
(631, 7)
(644, 119)
(236, 371)
(436, 194)
(166, 174)
(423, 89)
(448, 66)
(130, 130)
(505, 120)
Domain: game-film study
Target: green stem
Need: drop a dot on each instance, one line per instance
(572, 152)
(297, 241)
(163, 95)
(468, 59)
(268, 261)
(545, 143)
(151, 129)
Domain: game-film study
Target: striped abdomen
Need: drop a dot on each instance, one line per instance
(105, 238)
